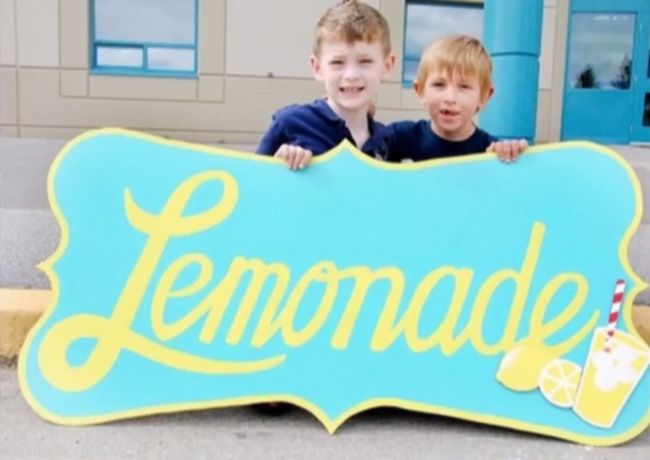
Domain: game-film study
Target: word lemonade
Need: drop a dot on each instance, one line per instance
(114, 334)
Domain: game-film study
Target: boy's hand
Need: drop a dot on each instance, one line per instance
(295, 157)
(508, 151)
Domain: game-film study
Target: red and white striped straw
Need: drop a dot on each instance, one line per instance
(613, 314)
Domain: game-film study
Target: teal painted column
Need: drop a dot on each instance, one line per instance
(513, 35)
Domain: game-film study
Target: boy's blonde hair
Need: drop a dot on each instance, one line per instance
(352, 21)
(457, 54)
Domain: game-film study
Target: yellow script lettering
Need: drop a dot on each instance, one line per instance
(114, 333)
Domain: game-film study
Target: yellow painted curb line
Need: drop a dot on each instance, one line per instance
(19, 311)
(21, 308)
(641, 320)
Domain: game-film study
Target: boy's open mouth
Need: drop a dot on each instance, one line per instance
(449, 113)
(352, 90)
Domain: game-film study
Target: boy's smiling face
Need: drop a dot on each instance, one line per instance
(452, 100)
(351, 73)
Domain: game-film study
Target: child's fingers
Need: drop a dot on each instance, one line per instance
(300, 158)
(505, 151)
(512, 151)
(522, 146)
(508, 151)
(518, 148)
(500, 149)
(281, 153)
(306, 158)
(297, 159)
(291, 159)
(284, 153)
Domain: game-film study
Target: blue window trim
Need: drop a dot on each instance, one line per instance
(143, 70)
(414, 57)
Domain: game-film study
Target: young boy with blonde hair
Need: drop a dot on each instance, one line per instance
(454, 83)
(351, 55)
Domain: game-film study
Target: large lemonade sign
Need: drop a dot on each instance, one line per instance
(189, 277)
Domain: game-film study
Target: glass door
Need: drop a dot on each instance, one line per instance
(607, 80)
(598, 88)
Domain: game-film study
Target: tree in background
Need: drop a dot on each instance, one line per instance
(622, 80)
(587, 78)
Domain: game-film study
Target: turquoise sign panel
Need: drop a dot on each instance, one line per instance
(192, 277)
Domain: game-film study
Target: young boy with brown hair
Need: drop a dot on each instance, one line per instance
(454, 83)
(351, 55)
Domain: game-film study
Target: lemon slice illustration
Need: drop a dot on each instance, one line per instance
(559, 382)
(521, 367)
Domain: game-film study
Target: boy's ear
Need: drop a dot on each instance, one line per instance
(487, 97)
(314, 62)
(389, 63)
(417, 88)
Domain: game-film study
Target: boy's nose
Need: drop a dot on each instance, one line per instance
(450, 96)
(351, 72)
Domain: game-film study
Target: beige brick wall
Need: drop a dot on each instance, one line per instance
(557, 91)
(8, 96)
(37, 30)
(7, 32)
(253, 59)
(551, 74)
(73, 40)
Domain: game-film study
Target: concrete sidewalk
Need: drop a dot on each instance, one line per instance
(243, 434)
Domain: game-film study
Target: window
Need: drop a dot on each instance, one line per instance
(601, 51)
(427, 21)
(144, 37)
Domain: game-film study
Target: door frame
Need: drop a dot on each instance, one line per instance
(641, 77)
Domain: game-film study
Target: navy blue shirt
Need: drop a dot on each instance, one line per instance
(316, 127)
(417, 141)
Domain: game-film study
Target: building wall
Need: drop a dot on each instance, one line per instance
(253, 59)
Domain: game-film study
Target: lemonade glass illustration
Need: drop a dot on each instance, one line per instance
(610, 376)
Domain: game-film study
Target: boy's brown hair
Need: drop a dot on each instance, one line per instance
(352, 21)
(457, 54)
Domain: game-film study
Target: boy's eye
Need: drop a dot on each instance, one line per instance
(336, 62)
(466, 86)
(438, 84)
(366, 61)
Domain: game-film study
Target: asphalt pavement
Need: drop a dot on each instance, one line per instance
(244, 434)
